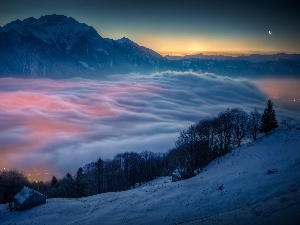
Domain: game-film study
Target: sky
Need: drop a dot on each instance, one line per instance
(179, 27)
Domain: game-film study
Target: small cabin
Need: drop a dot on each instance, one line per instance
(28, 198)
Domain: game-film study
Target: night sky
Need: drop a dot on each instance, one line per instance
(179, 27)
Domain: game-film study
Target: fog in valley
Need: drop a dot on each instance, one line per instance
(51, 127)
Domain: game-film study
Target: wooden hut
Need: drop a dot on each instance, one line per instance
(28, 198)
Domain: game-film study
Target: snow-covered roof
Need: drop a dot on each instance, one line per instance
(25, 194)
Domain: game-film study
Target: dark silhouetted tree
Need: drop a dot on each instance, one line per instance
(69, 176)
(226, 122)
(11, 182)
(79, 183)
(254, 124)
(188, 145)
(53, 181)
(100, 175)
(268, 119)
(40, 186)
(67, 186)
(239, 118)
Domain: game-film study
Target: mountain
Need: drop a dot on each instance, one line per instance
(58, 46)
(251, 58)
(258, 183)
(254, 65)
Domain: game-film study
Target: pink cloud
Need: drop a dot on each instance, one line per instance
(38, 114)
(59, 125)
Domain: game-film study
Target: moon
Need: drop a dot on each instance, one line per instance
(270, 32)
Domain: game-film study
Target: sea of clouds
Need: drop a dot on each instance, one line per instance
(60, 125)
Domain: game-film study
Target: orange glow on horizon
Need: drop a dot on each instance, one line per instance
(225, 53)
(181, 45)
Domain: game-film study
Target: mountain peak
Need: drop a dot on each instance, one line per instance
(55, 16)
(61, 30)
(125, 40)
(58, 19)
(44, 22)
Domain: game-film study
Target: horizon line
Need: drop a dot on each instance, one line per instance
(223, 53)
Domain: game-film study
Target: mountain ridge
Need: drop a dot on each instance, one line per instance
(250, 57)
(61, 47)
(57, 46)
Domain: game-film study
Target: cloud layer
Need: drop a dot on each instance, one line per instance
(59, 125)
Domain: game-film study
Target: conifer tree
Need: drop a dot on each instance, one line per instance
(268, 119)
(79, 183)
(53, 181)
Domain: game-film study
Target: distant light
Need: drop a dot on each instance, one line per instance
(270, 32)
(294, 100)
(4, 168)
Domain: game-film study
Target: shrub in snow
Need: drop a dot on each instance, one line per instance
(176, 175)
(271, 171)
(182, 174)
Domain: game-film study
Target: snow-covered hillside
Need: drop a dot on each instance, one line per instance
(255, 184)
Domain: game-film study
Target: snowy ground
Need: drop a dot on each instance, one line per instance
(250, 194)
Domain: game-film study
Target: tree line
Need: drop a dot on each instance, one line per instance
(213, 137)
(194, 149)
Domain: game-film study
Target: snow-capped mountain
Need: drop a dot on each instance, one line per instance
(58, 30)
(258, 183)
(59, 46)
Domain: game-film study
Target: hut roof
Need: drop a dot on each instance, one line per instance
(25, 194)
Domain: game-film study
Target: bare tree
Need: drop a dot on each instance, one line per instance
(239, 120)
(254, 124)
(11, 182)
(226, 124)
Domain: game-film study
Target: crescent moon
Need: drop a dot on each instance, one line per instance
(270, 32)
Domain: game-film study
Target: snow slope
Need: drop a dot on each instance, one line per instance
(250, 194)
